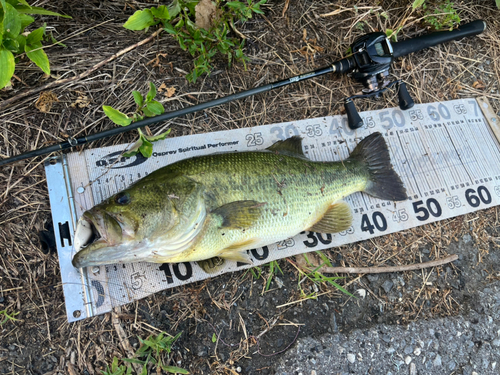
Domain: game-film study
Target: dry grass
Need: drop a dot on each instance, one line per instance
(278, 48)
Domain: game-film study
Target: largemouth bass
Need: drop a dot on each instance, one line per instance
(224, 204)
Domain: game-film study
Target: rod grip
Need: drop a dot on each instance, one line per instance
(406, 47)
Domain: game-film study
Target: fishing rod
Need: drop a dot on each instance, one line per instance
(372, 56)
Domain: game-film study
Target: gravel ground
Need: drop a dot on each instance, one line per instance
(468, 345)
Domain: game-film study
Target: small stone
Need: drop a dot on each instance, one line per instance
(451, 365)
(407, 359)
(313, 372)
(12, 348)
(387, 285)
(496, 342)
(486, 363)
(408, 349)
(238, 369)
(437, 361)
(372, 278)
(202, 351)
(417, 351)
(351, 357)
(386, 338)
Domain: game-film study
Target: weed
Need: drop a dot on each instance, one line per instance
(14, 18)
(200, 27)
(149, 354)
(444, 16)
(273, 271)
(318, 278)
(117, 370)
(145, 108)
(7, 317)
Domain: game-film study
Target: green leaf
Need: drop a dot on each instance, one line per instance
(214, 338)
(138, 98)
(175, 370)
(151, 93)
(41, 11)
(159, 137)
(161, 12)
(133, 360)
(170, 29)
(24, 2)
(155, 107)
(35, 36)
(498, 3)
(25, 20)
(418, 3)
(12, 45)
(38, 56)
(21, 40)
(140, 20)
(116, 116)
(134, 149)
(147, 112)
(11, 21)
(146, 149)
(174, 9)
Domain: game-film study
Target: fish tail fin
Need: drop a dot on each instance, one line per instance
(384, 183)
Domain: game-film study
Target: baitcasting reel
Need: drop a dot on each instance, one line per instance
(372, 56)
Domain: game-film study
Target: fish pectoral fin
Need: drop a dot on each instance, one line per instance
(337, 218)
(238, 252)
(239, 214)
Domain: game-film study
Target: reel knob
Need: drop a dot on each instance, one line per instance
(405, 100)
(353, 118)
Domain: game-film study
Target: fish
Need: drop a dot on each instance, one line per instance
(223, 204)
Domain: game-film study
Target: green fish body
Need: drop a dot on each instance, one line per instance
(224, 204)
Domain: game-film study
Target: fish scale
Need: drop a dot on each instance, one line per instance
(224, 204)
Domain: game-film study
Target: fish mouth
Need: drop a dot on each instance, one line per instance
(95, 231)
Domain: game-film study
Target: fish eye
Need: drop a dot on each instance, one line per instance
(122, 198)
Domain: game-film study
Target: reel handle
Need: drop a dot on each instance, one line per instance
(408, 46)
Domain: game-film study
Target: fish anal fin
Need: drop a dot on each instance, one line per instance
(237, 251)
(337, 218)
(290, 146)
(239, 214)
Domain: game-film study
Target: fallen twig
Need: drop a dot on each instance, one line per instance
(8, 102)
(409, 267)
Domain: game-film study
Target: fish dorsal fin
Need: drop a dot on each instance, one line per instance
(290, 146)
(239, 214)
(336, 219)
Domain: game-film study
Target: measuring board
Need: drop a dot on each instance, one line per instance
(447, 155)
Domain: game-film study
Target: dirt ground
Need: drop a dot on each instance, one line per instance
(229, 324)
